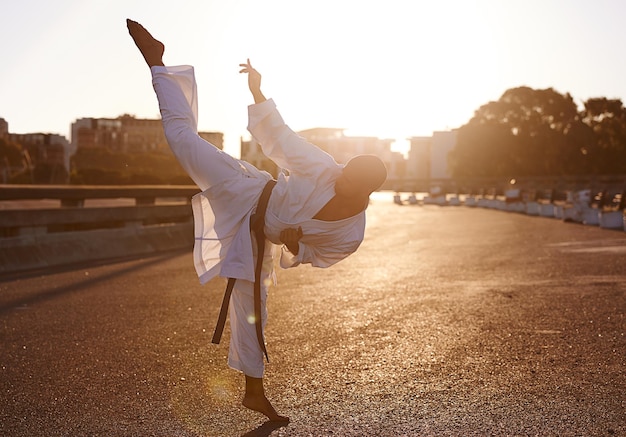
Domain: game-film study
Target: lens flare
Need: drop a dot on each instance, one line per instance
(220, 389)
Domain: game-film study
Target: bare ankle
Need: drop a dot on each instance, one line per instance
(256, 400)
(259, 403)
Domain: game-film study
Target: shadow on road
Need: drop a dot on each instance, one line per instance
(81, 285)
(265, 429)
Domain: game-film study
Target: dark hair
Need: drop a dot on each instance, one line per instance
(373, 168)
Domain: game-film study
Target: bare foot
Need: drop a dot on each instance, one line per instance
(262, 405)
(151, 49)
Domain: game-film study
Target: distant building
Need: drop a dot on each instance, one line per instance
(335, 143)
(342, 148)
(215, 138)
(127, 134)
(97, 132)
(443, 143)
(428, 156)
(4, 128)
(251, 152)
(51, 150)
(396, 165)
(418, 163)
(141, 135)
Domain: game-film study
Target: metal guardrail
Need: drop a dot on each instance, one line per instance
(74, 195)
(30, 238)
(73, 215)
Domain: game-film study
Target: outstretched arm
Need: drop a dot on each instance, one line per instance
(254, 81)
(279, 143)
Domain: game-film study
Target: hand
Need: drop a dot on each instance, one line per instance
(290, 237)
(254, 81)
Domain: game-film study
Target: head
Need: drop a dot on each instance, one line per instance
(361, 176)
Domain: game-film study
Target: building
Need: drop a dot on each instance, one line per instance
(215, 138)
(396, 165)
(428, 156)
(443, 143)
(251, 152)
(45, 157)
(335, 143)
(127, 134)
(97, 132)
(4, 128)
(418, 163)
(342, 147)
(140, 135)
(46, 151)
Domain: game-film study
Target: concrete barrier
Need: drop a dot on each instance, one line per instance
(35, 238)
(52, 250)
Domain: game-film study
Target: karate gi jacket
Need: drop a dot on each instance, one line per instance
(223, 244)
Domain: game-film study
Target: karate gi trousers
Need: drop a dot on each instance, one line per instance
(209, 166)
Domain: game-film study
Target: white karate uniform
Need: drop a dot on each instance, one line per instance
(231, 188)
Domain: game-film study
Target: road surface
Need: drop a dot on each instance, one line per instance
(447, 322)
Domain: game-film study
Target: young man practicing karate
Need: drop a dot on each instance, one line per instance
(317, 213)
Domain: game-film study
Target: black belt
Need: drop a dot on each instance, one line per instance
(257, 223)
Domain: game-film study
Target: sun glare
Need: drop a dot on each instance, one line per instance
(391, 72)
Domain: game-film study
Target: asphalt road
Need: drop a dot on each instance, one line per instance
(447, 322)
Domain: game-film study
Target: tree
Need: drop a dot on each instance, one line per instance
(606, 119)
(526, 132)
(15, 165)
(47, 173)
(100, 166)
(11, 152)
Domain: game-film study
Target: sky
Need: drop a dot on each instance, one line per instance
(385, 68)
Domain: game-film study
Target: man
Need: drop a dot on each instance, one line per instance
(317, 213)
